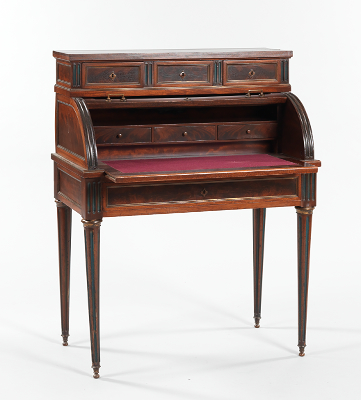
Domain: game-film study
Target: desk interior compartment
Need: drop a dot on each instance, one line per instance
(133, 126)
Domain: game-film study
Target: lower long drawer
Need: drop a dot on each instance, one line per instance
(140, 195)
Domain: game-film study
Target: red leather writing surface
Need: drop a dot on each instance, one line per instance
(196, 163)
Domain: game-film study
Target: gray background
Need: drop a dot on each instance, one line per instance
(176, 290)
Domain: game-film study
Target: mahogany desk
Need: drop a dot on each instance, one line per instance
(166, 131)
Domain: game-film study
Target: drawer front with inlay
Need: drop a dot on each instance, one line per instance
(120, 134)
(242, 73)
(113, 75)
(191, 73)
(247, 131)
(184, 133)
(202, 192)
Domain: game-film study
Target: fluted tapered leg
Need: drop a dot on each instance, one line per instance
(92, 240)
(304, 224)
(259, 219)
(64, 243)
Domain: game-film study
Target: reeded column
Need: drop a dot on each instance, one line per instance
(304, 224)
(64, 245)
(92, 241)
(259, 220)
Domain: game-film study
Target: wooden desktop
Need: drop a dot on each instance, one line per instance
(168, 131)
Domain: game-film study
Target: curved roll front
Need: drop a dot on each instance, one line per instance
(297, 138)
(89, 137)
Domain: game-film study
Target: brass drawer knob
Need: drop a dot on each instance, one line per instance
(112, 76)
(185, 134)
(182, 74)
(119, 135)
(248, 131)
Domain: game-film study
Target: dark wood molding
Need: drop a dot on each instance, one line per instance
(304, 225)
(64, 242)
(89, 136)
(259, 223)
(171, 54)
(304, 124)
(168, 131)
(92, 240)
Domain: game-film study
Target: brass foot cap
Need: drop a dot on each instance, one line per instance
(96, 375)
(302, 351)
(65, 343)
(257, 325)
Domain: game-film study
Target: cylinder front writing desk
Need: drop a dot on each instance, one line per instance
(167, 131)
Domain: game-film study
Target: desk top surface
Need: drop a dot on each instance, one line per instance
(238, 53)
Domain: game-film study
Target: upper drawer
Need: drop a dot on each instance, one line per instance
(267, 130)
(121, 134)
(184, 133)
(251, 72)
(183, 73)
(99, 75)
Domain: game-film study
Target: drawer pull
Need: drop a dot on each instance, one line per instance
(119, 135)
(122, 98)
(185, 134)
(251, 73)
(204, 192)
(182, 74)
(112, 76)
(260, 93)
(248, 131)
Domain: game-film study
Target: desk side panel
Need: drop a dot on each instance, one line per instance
(69, 132)
(80, 193)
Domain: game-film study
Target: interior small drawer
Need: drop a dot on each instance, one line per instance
(190, 73)
(183, 133)
(113, 74)
(237, 72)
(247, 131)
(120, 134)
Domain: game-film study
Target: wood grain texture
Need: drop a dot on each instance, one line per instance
(170, 54)
(116, 135)
(252, 72)
(201, 192)
(88, 134)
(250, 131)
(136, 105)
(113, 75)
(69, 187)
(92, 247)
(296, 133)
(259, 222)
(63, 73)
(183, 73)
(184, 133)
(169, 91)
(116, 176)
(64, 243)
(68, 135)
(304, 225)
